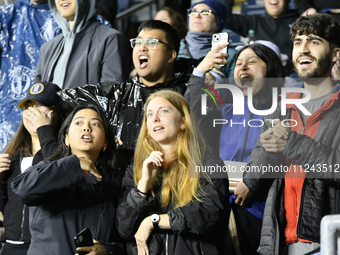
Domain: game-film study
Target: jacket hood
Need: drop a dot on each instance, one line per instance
(85, 10)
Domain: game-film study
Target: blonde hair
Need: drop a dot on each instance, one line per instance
(177, 183)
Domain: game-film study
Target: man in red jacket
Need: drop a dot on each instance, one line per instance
(307, 187)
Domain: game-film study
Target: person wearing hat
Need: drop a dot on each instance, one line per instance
(204, 19)
(34, 141)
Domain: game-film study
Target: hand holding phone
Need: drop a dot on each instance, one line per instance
(219, 39)
(213, 58)
(83, 238)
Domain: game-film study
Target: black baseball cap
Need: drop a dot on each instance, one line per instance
(41, 93)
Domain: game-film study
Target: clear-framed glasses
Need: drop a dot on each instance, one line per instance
(203, 13)
(150, 43)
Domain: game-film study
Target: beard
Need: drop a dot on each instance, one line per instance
(323, 67)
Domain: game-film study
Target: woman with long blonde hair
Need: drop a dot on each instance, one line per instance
(187, 208)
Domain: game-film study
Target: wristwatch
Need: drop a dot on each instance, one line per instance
(155, 220)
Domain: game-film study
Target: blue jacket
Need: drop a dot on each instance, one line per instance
(238, 140)
(24, 28)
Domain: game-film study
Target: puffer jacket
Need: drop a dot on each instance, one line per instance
(320, 193)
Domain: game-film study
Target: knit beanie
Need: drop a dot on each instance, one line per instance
(218, 8)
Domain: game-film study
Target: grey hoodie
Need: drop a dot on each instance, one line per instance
(85, 10)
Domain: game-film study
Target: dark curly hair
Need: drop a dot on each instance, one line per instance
(322, 25)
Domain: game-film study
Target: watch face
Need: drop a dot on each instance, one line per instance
(154, 217)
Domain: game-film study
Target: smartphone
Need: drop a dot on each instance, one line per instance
(83, 238)
(218, 39)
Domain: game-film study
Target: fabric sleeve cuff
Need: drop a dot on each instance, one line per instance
(198, 73)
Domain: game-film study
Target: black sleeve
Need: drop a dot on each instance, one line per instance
(37, 184)
(3, 195)
(48, 140)
(319, 161)
(200, 216)
(133, 208)
(193, 94)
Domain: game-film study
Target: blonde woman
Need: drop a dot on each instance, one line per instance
(164, 209)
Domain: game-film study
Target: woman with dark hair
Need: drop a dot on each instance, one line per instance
(77, 188)
(257, 67)
(35, 140)
(175, 19)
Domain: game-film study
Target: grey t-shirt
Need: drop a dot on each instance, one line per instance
(314, 104)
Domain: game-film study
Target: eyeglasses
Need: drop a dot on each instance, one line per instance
(150, 43)
(203, 13)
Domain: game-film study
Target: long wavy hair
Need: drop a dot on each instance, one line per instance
(107, 163)
(177, 184)
(21, 143)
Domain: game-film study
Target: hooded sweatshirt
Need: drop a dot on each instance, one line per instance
(88, 53)
(84, 11)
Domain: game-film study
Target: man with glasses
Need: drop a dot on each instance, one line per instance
(154, 53)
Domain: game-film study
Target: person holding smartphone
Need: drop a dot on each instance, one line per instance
(78, 187)
(204, 19)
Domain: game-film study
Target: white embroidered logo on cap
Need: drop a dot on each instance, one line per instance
(37, 88)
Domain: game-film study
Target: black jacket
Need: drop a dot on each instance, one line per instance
(62, 203)
(99, 54)
(321, 190)
(196, 228)
(266, 27)
(15, 212)
(123, 103)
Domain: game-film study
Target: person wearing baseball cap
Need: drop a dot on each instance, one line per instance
(34, 141)
(40, 94)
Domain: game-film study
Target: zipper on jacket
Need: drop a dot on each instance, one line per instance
(166, 244)
(201, 248)
(298, 222)
(246, 140)
(22, 224)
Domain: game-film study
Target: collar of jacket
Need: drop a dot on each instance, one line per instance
(334, 97)
(167, 84)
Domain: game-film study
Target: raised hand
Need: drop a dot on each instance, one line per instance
(214, 59)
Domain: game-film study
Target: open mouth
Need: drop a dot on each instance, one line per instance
(86, 138)
(273, 2)
(246, 80)
(143, 61)
(65, 5)
(156, 129)
(305, 61)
